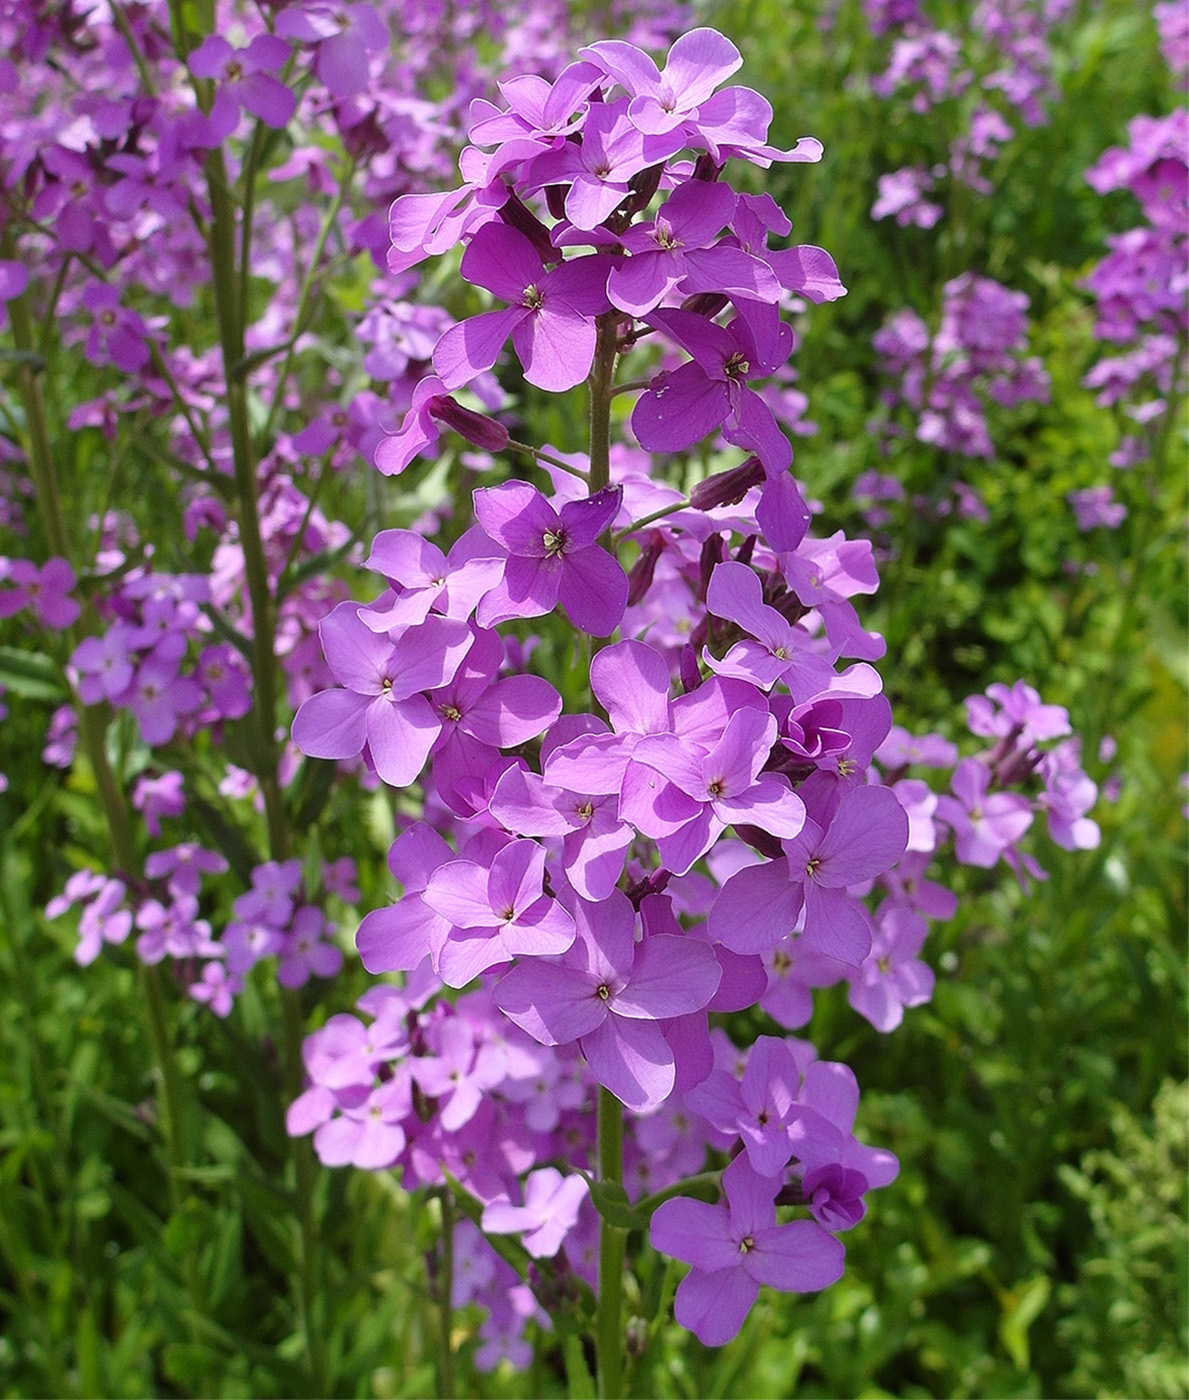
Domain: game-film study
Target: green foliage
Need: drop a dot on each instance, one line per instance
(1126, 1323)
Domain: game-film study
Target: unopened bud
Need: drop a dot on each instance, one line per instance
(727, 488)
(477, 428)
(654, 882)
(640, 578)
(706, 304)
(555, 200)
(691, 676)
(644, 186)
(712, 554)
(635, 1338)
(523, 220)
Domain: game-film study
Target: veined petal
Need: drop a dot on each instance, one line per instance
(756, 908)
(671, 976)
(633, 1060)
(466, 350)
(556, 346)
(686, 406)
(554, 1004)
(458, 892)
(593, 590)
(332, 724)
(713, 1306)
(400, 735)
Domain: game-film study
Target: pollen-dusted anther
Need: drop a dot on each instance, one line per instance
(532, 297)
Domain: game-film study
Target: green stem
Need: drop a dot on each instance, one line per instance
(230, 313)
(229, 316)
(539, 456)
(310, 1256)
(602, 391)
(446, 1300)
(609, 1345)
(609, 1340)
(649, 519)
(303, 296)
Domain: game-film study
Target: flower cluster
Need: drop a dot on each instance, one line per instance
(270, 921)
(1140, 286)
(992, 74)
(978, 353)
(579, 863)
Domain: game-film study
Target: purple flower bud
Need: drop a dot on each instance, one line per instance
(477, 428)
(727, 488)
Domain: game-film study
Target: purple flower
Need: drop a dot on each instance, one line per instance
(424, 578)
(1096, 505)
(381, 705)
(984, 824)
(599, 170)
(710, 391)
(495, 912)
(45, 590)
(344, 36)
(553, 557)
(760, 904)
(243, 80)
(697, 63)
(756, 1107)
(690, 794)
(607, 992)
(735, 1247)
(676, 250)
(892, 976)
(551, 324)
(550, 1211)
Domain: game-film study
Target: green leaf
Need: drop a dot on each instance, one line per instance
(579, 1381)
(31, 674)
(612, 1203)
(1021, 1307)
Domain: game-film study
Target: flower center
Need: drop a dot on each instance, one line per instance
(746, 1244)
(737, 366)
(603, 992)
(532, 297)
(452, 713)
(554, 542)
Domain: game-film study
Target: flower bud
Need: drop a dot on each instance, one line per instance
(640, 578)
(477, 428)
(727, 488)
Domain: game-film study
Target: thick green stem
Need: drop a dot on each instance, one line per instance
(311, 1292)
(609, 1345)
(446, 1300)
(230, 314)
(602, 390)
